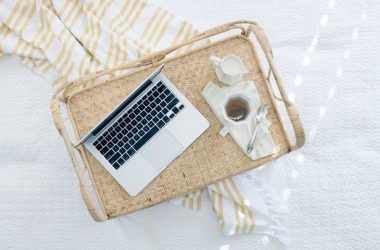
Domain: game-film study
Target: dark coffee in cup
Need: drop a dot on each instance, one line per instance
(237, 109)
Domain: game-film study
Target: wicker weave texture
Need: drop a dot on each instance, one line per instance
(208, 159)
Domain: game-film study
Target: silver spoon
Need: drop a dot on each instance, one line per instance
(260, 116)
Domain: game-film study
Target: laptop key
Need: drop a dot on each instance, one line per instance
(161, 88)
(109, 154)
(115, 140)
(146, 128)
(104, 150)
(146, 137)
(114, 158)
(141, 133)
(120, 144)
(160, 124)
(120, 161)
(175, 110)
(98, 147)
(172, 103)
(169, 98)
(115, 148)
(181, 107)
(125, 157)
(166, 119)
(122, 150)
(116, 165)
(131, 151)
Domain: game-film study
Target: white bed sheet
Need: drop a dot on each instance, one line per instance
(332, 184)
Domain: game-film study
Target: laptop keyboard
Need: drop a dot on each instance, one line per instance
(136, 126)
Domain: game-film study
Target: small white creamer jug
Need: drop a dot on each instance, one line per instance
(230, 69)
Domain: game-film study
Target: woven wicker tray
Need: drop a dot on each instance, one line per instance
(210, 158)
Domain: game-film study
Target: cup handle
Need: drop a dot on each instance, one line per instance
(224, 131)
(216, 60)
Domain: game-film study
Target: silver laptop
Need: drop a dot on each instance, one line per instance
(145, 132)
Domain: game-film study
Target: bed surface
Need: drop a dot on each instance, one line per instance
(328, 55)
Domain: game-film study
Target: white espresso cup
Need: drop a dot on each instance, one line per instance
(238, 110)
(230, 69)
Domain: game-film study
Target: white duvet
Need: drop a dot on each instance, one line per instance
(328, 53)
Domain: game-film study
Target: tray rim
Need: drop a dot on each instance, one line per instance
(109, 81)
(154, 61)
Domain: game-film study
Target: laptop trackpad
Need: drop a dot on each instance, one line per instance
(162, 150)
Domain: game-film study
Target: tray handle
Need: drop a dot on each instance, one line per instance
(294, 117)
(97, 214)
